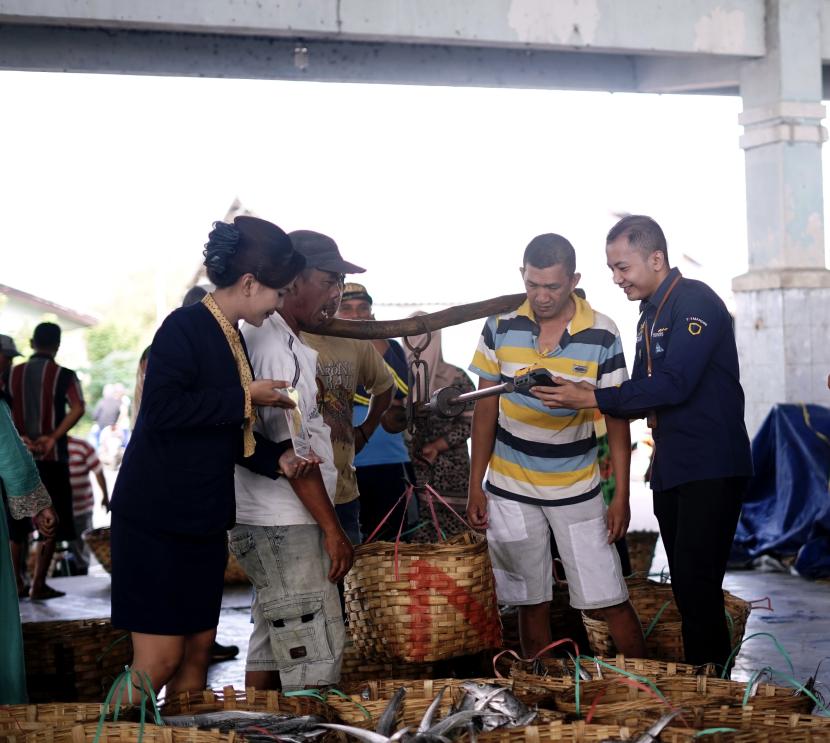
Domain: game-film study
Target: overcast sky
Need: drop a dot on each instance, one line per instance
(435, 190)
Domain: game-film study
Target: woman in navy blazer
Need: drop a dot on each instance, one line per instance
(174, 497)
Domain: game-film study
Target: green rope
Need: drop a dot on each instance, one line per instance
(633, 676)
(108, 648)
(713, 731)
(799, 687)
(315, 694)
(655, 620)
(415, 528)
(147, 692)
(737, 647)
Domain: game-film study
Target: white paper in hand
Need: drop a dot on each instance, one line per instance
(300, 439)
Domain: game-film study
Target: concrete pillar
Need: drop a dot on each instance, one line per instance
(783, 302)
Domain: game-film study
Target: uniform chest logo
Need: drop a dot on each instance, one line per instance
(696, 325)
(580, 369)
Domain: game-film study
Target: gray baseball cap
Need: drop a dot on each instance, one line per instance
(7, 347)
(321, 252)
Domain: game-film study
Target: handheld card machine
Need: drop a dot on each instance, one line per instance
(533, 376)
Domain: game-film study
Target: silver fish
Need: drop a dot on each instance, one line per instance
(498, 702)
(368, 736)
(653, 733)
(765, 673)
(426, 721)
(449, 723)
(386, 723)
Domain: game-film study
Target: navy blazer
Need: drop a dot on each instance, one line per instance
(177, 472)
(695, 387)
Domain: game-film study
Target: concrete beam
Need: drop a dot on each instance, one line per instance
(45, 48)
(688, 74)
(714, 27)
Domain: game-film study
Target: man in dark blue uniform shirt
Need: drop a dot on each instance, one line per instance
(686, 383)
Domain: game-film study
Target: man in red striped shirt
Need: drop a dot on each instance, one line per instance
(83, 462)
(41, 392)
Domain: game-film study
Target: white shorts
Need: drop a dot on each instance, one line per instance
(518, 536)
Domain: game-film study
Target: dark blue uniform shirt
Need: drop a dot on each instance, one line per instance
(694, 388)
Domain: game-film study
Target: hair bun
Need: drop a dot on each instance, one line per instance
(222, 243)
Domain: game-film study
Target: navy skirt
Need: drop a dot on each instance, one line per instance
(165, 583)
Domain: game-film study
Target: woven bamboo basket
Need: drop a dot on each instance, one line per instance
(372, 690)
(749, 735)
(57, 713)
(356, 668)
(558, 731)
(362, 711)
(18, 720)
(613, 700)
(560, 673)
(125, 732)
(74, 661)
(640, 666)
(641, 546)
(195, 702)
(665, 640)
(98, 541)
(442, 604)
(750, 717)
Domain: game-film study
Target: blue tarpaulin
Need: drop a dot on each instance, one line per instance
(787, 507)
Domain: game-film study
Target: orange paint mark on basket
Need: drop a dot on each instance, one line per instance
(425, 578)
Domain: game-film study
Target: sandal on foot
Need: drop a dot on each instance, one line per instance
(46, 593)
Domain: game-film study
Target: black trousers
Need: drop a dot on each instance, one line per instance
(697, 523)
(55, 477)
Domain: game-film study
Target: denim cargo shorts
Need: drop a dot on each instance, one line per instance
(298, 621)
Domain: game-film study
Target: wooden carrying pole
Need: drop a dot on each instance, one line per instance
(420, 324)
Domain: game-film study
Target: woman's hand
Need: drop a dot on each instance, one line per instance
(265, 393)
(46, 522)
(429, 453)
(293, 466)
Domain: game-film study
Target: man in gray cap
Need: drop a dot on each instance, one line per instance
(343, 365)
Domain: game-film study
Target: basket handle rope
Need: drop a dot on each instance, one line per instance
(434, 494)
(797, 685)
(106, 651)
(729, 621)
(760, 604)
(554, 644)
(778, 646)
(407, 494)
(323, 697)
(714, 731)
(655, 620)
(640, 681)
(125, 678)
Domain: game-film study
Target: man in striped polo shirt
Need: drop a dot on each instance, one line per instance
(83, 462)
(46, 403)
(541, 464)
